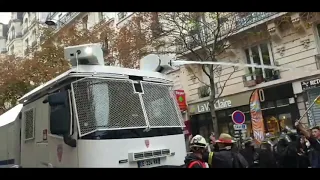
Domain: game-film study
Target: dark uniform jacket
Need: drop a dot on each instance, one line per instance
(225, 159)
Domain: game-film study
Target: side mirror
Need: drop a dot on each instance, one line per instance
(69, 141)
(60, 116)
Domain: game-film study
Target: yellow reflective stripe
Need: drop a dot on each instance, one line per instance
(210, 158)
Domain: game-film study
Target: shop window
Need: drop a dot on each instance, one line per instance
(223, 127)
(244, 109)
(249, 128)
(229, 111)
(285, 120)
(272, 125)
(267, 105)
(282, 102)
(205, 131)
(205, 126)
(221, 114)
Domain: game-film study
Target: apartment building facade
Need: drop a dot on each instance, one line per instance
(285, 94)
(3, 38)
(86, 19)
(30, 30)
(14, 35)
(23, 32)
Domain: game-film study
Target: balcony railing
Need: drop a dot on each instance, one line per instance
(238, 22)
(51, 14)
(250, 80)
(252, 17)
(14, 36)
(66, 19)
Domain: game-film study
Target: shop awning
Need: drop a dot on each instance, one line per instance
(11, 115)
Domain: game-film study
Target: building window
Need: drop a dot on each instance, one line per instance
(318, 37)
(267, 105)
(285, 120)
(121, 15)
(34, 34)
(12, 49)
(26, 42)
(26, 23)
(260, 55)
(204, 91)
(13, 33)
(100, 14)
(85, 22)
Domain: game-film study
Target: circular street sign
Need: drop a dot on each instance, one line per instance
(238, 117)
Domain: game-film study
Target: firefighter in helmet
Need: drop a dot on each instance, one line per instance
(198, 147)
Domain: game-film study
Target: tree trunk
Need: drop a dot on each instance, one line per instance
(211, 105)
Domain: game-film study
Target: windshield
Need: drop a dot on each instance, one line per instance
(113, 104)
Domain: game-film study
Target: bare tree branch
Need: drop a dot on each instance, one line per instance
(201, 37)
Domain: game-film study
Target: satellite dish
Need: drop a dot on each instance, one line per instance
(157, 63)
(150, 62)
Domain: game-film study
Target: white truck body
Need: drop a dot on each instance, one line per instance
(29, 142)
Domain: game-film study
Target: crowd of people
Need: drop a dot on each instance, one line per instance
(293, 149)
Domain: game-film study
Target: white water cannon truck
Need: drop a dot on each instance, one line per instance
(96, 116)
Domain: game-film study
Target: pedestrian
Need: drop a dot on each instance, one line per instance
(290, 153)
(281, 149)
(266, 157)
(249, 152)
(225, 157)
(213, 145)
(198, 147)
(314, 139)
(303, 151)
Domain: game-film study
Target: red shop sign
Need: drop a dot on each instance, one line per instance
(181, 99)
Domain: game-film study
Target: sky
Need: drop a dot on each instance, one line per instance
(5, 17)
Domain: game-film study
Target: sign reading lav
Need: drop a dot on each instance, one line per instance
(222, 103)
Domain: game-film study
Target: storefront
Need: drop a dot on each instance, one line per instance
(200, 116)
(278, 105)
(279, 108)
(311, 90)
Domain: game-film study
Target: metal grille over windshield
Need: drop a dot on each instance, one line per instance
(160, 105)
(107, 104)
(110, 104)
